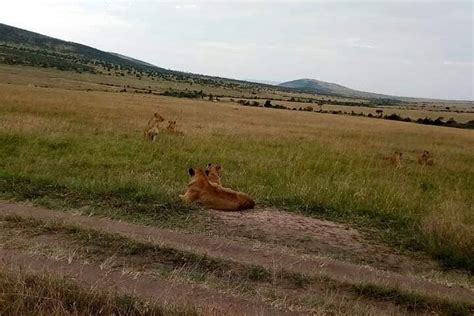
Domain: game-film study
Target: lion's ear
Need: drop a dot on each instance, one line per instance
(209, 165)
(218, 167)
(191, 172)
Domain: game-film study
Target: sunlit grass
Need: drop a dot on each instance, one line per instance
(324, 165)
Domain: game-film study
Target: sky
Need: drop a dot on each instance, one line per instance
(415, 48)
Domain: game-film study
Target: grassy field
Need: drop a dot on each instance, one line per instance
(79, 148)
(47, 77)
(413, 112)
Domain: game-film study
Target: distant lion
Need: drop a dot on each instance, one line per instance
(214, 173)
(171, 126)
(155, 120)
(426, 159)
(152, 133)
(213, 196)
(395, 159)
(152, 129)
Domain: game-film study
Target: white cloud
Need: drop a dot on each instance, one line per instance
(185, 6)
(459, 63)
(358, 43)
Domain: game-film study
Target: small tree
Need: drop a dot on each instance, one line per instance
(268, 104)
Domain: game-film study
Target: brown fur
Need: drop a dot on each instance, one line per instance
(152, 129)
(213, 196)
(426, 159)
(396, 159)
(155, 120)
(171, 127)
(214, 173)
(151, 134)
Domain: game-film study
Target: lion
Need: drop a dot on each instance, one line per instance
(155, 120)
(426, 159)
(214, 173)
(171, 128)
(396, 159)
(153, 127)
(213, 196)
(152, 133)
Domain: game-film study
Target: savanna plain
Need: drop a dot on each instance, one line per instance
(337, 228)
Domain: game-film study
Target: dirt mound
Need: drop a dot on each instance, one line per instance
(313, 236)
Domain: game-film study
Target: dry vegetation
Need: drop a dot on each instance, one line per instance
(67, 148)
(315, 163)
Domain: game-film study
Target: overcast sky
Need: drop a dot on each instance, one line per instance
(409, 48)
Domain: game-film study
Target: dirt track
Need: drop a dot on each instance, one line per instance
(267, 257)
(161, 291)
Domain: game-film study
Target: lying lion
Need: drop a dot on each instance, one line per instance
(214, 173)
(213, 196)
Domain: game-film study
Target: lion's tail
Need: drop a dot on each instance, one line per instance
(248, 203)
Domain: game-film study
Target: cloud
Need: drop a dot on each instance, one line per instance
(185, 6)
(459, 63)
(358, 43)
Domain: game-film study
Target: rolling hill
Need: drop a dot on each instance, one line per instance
(22, 47)
(328, 88)
(18, 46)
(333, 89)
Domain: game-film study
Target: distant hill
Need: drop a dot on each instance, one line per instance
(22, 47)
(132, 59)
(18, 46)
(328, 88)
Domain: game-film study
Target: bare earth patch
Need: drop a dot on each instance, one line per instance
(313, 236)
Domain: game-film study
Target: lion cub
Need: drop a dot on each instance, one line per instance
(214, 173)
(213, 196)
(152, 129)
(171, 128)
(426, 159)
(396, 159)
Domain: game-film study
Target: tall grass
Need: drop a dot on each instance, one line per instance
(323, 165)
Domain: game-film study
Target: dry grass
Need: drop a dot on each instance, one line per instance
(26, 294)
(321, 164)
(413, 112)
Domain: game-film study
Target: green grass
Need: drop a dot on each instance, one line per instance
(124, 176)
(72, 149)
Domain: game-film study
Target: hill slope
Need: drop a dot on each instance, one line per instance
(18, 46)
(22, 47)
(328, 88)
